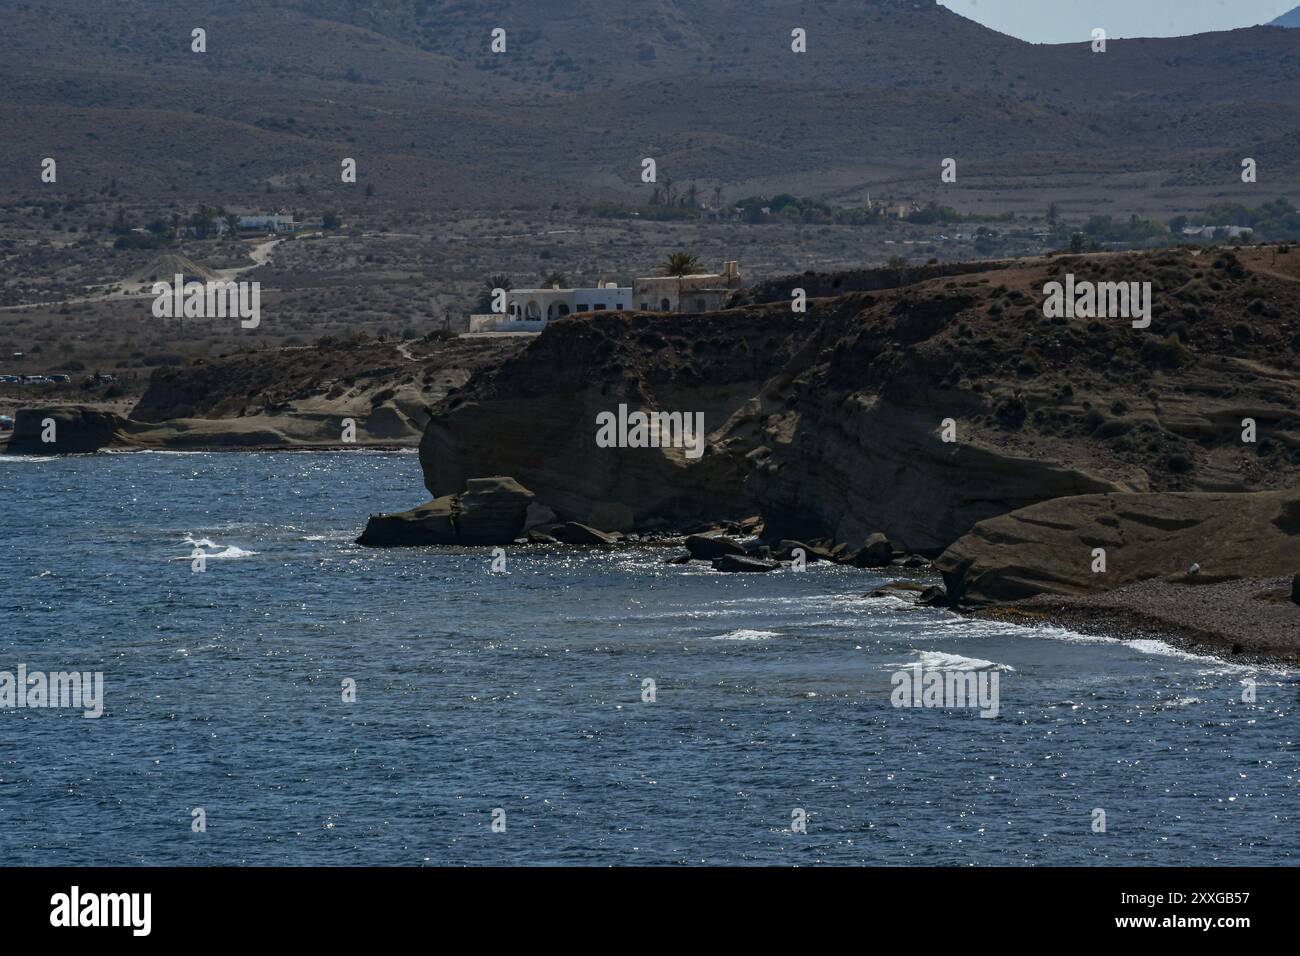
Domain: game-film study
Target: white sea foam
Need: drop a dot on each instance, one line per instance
(1158, 648)
(217, 553)
(149, 451)
(231, 552)
(940, 661)
(744, 634)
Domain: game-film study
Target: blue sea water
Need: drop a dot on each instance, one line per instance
(522, 692)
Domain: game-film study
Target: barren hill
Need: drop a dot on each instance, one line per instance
(586, 89)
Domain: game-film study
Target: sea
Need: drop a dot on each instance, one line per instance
(292, 698)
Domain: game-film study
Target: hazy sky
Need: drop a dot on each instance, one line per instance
(1065, 21)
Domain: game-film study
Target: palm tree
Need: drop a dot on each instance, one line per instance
(681, 264)
(691, 194)
(493, 283)
(554, 279)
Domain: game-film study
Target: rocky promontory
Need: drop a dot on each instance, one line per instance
(916, 411)
(938, 411)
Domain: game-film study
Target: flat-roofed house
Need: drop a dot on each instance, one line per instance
(528, 310)
(277, 223)
(702, 292)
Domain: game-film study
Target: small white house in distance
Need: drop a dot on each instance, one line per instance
(1215, 232)
(267, 223)
(528, 310)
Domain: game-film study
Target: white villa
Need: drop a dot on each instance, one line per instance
(1213, 232)
(528, 310)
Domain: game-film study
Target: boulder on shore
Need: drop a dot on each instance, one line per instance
(491, 511)
(736, 562)
(574, 533)
(923, 595)
(786, 548)
(1055, 547)
(707, 547)
(877, 552)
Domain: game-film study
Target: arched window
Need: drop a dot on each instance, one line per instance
(532, 310)
(663, 305)
(564, 308)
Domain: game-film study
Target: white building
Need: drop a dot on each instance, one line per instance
(267, 223)
(1214, 232)
(528, 310)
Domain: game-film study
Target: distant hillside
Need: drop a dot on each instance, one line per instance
(1291, 19)
(587, 88)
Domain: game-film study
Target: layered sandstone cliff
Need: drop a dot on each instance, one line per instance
(831, 424)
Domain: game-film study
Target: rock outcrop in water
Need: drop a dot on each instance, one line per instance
(490, 511)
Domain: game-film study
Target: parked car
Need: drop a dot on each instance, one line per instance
(10, 380)
(6, 423)
(59, 379)
(35, 380)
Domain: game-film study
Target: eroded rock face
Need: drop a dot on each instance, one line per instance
(535, 416)
(75, 430)
(491, 511)
(1050, 548)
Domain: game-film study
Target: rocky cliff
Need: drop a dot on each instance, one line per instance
(535, 416)
(832, 424)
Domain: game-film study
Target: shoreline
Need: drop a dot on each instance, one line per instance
(1113, 615)
(1225, 620)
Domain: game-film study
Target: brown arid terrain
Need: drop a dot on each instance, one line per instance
(281, 398)
(527, 164)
